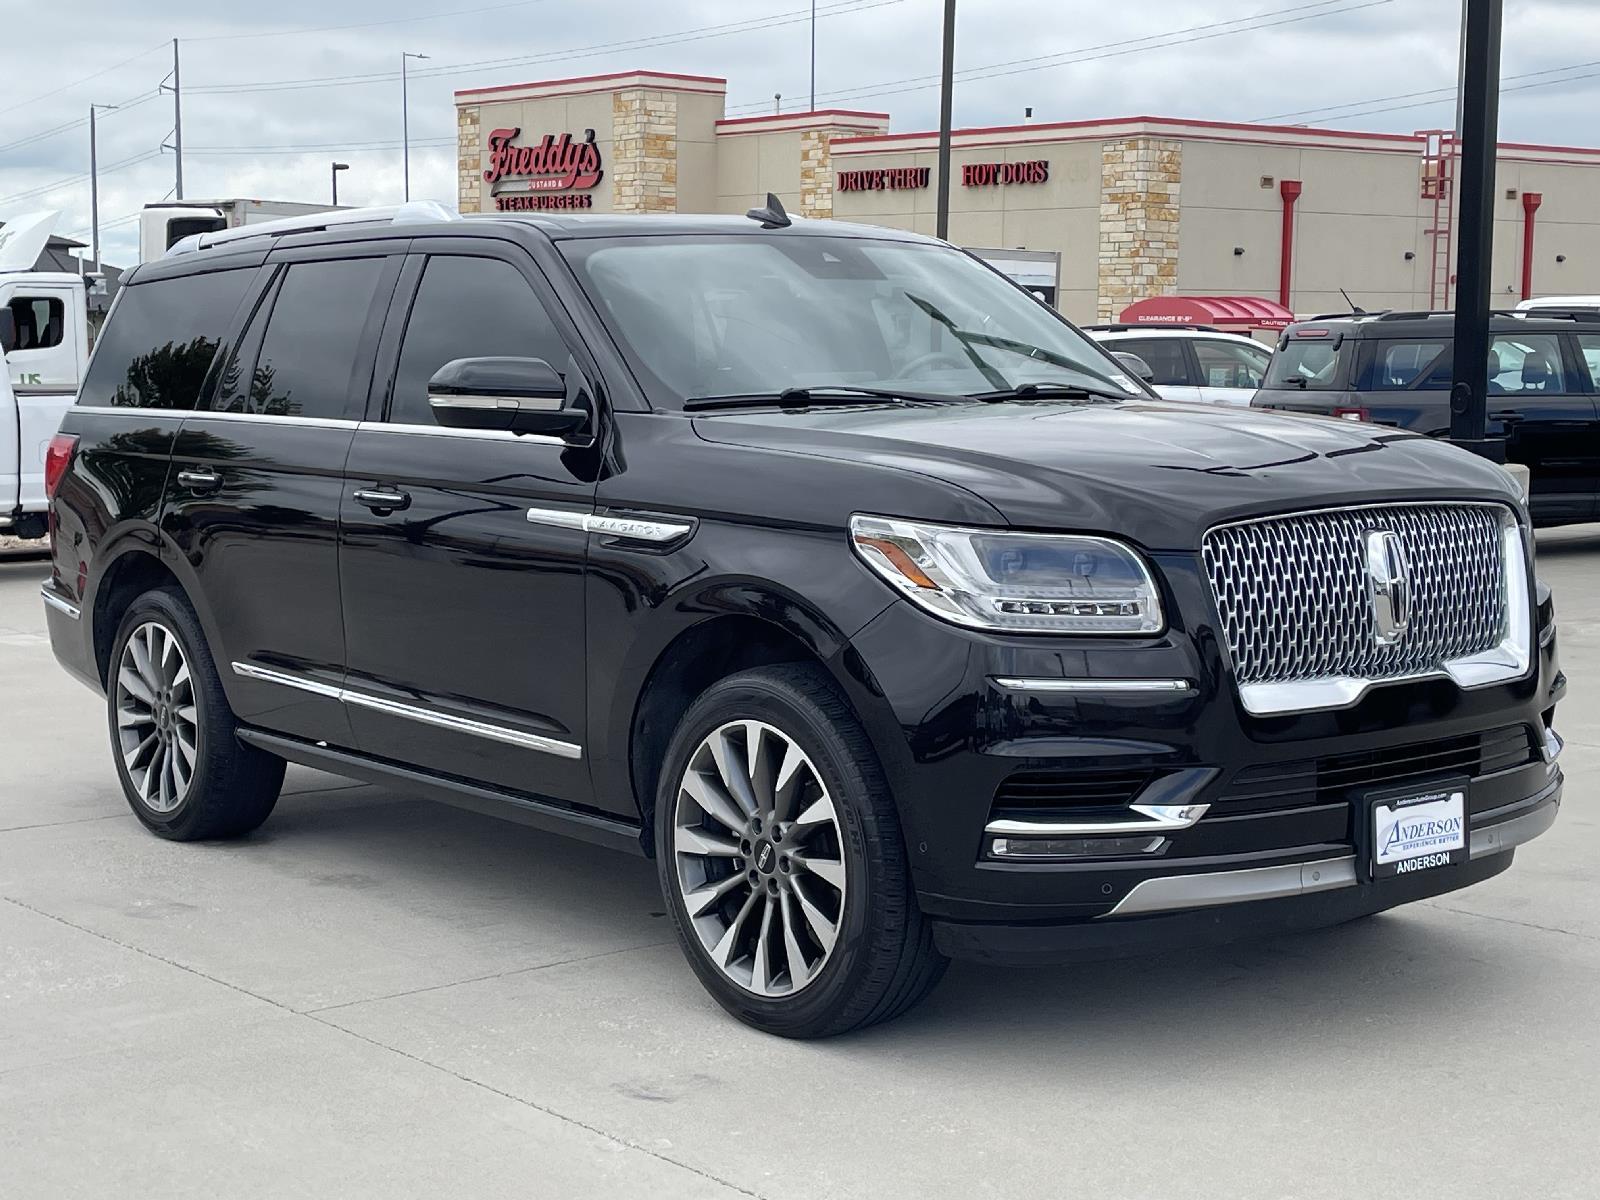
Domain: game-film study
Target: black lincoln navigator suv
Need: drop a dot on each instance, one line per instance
(819, 563)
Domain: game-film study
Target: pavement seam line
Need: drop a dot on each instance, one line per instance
(437, 987)
(477, 1083)
(560, 1116)
(56, 824)
(1467, 912)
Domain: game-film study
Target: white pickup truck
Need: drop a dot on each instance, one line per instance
(44, 334)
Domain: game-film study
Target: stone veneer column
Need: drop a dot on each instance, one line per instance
(1139, 181)
(644, 151)
(469, 148)
(816, 173)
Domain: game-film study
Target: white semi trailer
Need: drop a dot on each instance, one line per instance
(163, 225)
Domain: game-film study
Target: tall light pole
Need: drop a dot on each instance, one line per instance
(405, 120)
(336, 168)
(1477, 127)
(94, 185)
(813, 55)
(946, 87)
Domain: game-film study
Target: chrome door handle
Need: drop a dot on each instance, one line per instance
(201, 480)
(380, 500)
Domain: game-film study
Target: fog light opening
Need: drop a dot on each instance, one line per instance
(1076, 847)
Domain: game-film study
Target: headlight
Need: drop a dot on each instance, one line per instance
(1025, 582)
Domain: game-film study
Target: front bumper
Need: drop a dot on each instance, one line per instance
(1209, 908)
(1262, 801)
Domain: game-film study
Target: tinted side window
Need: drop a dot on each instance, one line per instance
(1422, 364)
(1230, 364)
(1165, 356)
(313, 338)
(156, 349)
(1526, 364)
(1589, 347)
(468, 308)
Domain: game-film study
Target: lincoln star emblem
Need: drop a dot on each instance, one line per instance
(1389, 586)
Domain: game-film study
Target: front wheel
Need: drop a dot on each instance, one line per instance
(781, 856)
(184, 773)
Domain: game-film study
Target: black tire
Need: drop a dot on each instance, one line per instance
(232, 787)
(883, 960)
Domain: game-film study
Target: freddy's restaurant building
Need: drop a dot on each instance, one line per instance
(1091, 214)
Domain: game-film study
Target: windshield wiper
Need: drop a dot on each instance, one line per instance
(1057, 391)
(820, 394)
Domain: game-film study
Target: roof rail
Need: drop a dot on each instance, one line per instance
(1148, 326)
(1380, 315)
(390, 214)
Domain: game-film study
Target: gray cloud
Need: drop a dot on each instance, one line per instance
(880, 56)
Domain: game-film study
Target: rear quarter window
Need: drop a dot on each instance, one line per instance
(158, 345)
(1312, 364)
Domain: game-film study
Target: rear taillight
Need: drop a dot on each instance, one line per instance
(56, 460)
(1351, 414)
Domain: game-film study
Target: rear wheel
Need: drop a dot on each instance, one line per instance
(781, 855)
(184, 772)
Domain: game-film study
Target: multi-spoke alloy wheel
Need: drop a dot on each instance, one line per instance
(157, 721)
(759, 858)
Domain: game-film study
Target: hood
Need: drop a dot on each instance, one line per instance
(1157, 474)
(22, 239)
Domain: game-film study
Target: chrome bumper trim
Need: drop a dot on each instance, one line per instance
(1093, 686)
(1175, 893)
(60, 605)
(1153, 818)
(411, 712)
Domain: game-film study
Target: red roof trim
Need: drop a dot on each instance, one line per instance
(539, 83)
(795, 116)
(1186, 122)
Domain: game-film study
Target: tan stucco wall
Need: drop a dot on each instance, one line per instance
(1062, 214)
(749, 165)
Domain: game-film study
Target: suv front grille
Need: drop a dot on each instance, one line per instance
(1333, 778)
(1292, 591)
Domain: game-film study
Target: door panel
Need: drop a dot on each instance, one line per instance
(1538, 403)
(464, 616)
(256, 485)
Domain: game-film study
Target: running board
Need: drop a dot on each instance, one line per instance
(611, 832)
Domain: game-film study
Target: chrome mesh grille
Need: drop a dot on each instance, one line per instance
(1292, 591)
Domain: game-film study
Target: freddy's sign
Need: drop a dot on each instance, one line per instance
(553, 164)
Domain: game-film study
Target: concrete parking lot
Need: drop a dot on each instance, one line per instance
(377, 996)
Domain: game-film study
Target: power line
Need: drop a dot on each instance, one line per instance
(1197, 33)
(66, 87)
(122, 106)
(337, 147)
(748, 25)
(271, 33)
(1443, 93)
(70, 181)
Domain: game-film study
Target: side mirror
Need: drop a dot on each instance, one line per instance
(8, 331)
(519, 395)
(1137, 365)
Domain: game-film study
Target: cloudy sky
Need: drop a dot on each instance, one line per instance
(274, 92)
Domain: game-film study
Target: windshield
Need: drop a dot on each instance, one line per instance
(1309, 364)
(707, 317)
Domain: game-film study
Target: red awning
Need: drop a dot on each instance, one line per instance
(1225, 312)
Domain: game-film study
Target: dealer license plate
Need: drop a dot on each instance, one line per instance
(1419, 832)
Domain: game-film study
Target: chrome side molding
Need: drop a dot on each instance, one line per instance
(61, 606)
(1094, 686)
(638, 529)
(1151, 818)
(1174, 893)
(412, 712)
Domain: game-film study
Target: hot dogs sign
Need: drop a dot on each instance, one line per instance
(554, 172)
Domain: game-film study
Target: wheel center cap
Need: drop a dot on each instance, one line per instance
(766, 858)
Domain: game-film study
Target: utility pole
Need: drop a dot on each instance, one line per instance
(813, 55)
(336, 168)
(405, 121)
(94, 186)
(946, 87)
(177, 124)
(1477, 128)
